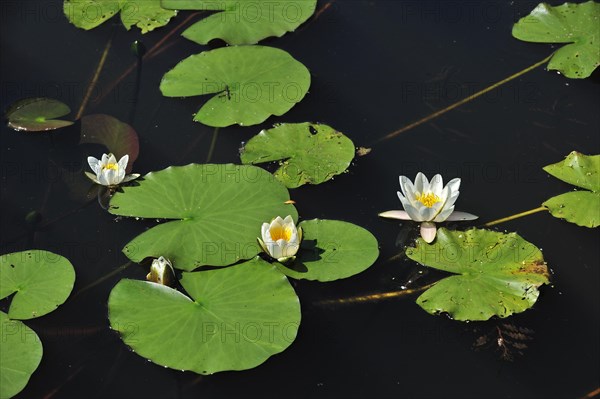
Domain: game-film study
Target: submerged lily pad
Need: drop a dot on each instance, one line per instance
(310, 153)
(145, 14)
(579, 207)
(252, 82)
(236, 318)
(496, 274)
(20, 354)
(119, 137)
(577, 24)
(37, 114)
(244, 22)
(216, 212)
(332, 250)
(40, 280)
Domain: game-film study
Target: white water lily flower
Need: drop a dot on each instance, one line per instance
(161, 272)
(108, 171)
(428, 203)
(280, 238)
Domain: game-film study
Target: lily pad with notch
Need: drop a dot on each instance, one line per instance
(244, 22)
(145, 14)
(234, 318)
(214, 213)
(332, 250)
(579, 207)
(575, 24)
(251, 83)
(37, 115)
(308, 152)
(40, 280)
(20, 355)
(495, 274)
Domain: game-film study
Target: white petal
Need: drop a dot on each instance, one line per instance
(130, 177)
(456, 216)
(288, 220)
(421, 183)
(428, 231)
(94, 164)
(123, 162)
(112, 159)
(274, 250)
(290, 249)
(427, 214)
(265, 234)
(102, 179)
(452, 199)
(453, 185)
(437, 184)
(408, 189)
(443, 215)
(400, 215)
(413, 213)
(111, 177)
(105, 158)
(92, 177)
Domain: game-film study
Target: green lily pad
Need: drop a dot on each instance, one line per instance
(252, 82)
(40, 280)
(496, 274)
(216, 212)
(20, 354)
(332, 250)
(579, 170)
(309, 153)
(579, 207)
(37, 115)
(244, 22)
(236, 318)
(118, 137)
(577, 24)
(145, 14)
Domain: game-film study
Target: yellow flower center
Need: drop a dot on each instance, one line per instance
(429, 199)
(278, 233)
(112, 166)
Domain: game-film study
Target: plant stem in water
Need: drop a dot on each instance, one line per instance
(103, 278)
(516, 216)
(464, 100)
(213, 143)
(94, 80)
(374, 297)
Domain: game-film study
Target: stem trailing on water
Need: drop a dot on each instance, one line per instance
(464, 100)
(94, 80)
(515, 216)
(213, 144)
(374, 297)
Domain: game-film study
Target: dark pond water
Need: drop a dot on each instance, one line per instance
(376, 66)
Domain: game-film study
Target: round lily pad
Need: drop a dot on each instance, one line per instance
(251, 83)
(37, 114)
(20, 354)
(308, 152)
(244, 22)
(234, 319)
(496, 274)
(145, 14)
(579, 170)
(215, 213)
(40, 280)
(577, 24)
(332, 250)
